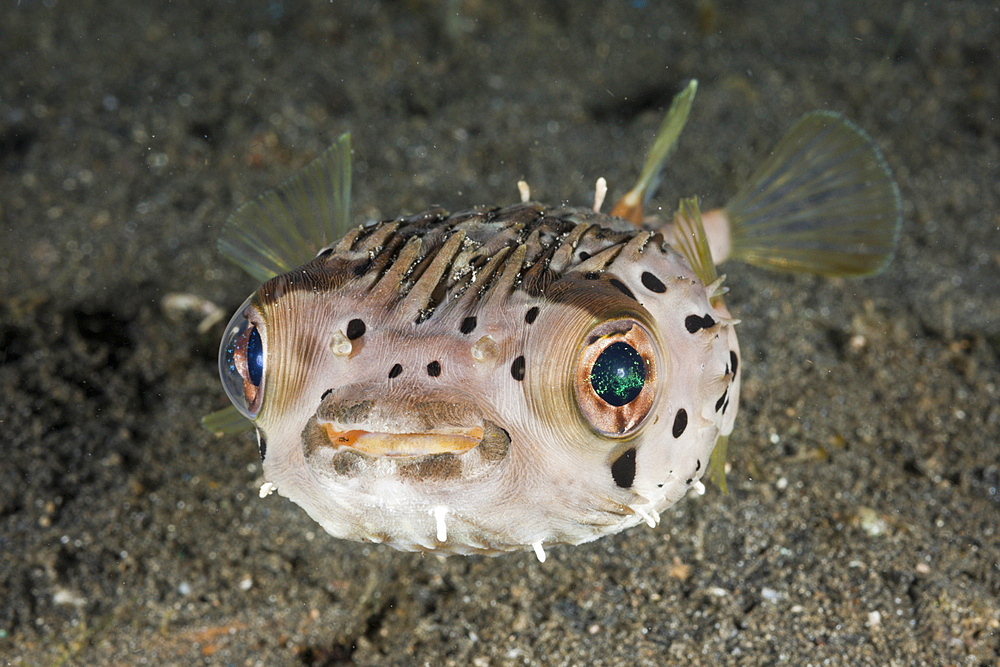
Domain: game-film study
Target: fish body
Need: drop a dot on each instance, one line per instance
(506, 378)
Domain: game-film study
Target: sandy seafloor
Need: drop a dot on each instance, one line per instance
(863, 522)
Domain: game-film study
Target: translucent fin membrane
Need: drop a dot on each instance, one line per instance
(225, 421)
(691, 241)
(824, 202)
(717, 463)
(630, 206)
(286, 227)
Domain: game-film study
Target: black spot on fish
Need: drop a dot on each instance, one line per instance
(733, 361)
(623, 288)
(530, 316)
(652, 283)
(680, 423)
(468, 324)
(395, 371)
(362, 268)
(623, 469)
(722, 400)
(355, 329)
(517, 368)
(689, 480)
(261, 446)
(434, 369)
(592, 275)
(694, 323)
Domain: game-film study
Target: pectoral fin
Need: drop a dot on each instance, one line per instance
(225, 421)
(287, 226)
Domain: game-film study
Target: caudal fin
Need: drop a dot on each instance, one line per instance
(824, 202)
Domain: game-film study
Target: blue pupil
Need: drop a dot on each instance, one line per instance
(618, 374)
(255, 357)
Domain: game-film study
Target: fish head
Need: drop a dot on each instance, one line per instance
(506, 414)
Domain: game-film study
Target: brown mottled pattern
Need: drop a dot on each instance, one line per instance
(432, 467)
(495, 443)
(377, 248)
(346, 413)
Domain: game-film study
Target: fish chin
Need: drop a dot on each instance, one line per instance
(392, 487)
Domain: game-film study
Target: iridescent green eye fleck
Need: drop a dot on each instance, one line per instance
(618, 374)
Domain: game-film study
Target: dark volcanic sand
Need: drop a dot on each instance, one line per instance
(863, 522)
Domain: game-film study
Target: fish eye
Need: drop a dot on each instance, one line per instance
(616, 377)
(241, 361)
(618, 374)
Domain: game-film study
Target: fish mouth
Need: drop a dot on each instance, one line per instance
(449, 440)
(415, 452)
(354, 423)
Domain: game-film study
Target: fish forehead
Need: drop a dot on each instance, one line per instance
(549, 237)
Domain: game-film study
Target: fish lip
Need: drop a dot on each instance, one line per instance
(378, 444)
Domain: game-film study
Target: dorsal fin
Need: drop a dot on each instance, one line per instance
(630, 206)
(286, 227)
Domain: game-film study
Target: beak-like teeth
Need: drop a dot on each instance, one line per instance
(436, 441)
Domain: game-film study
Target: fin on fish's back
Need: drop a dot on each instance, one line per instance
(630, 207)
(287, 226)
(824, 202)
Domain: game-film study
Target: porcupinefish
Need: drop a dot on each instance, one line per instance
(506, 378)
